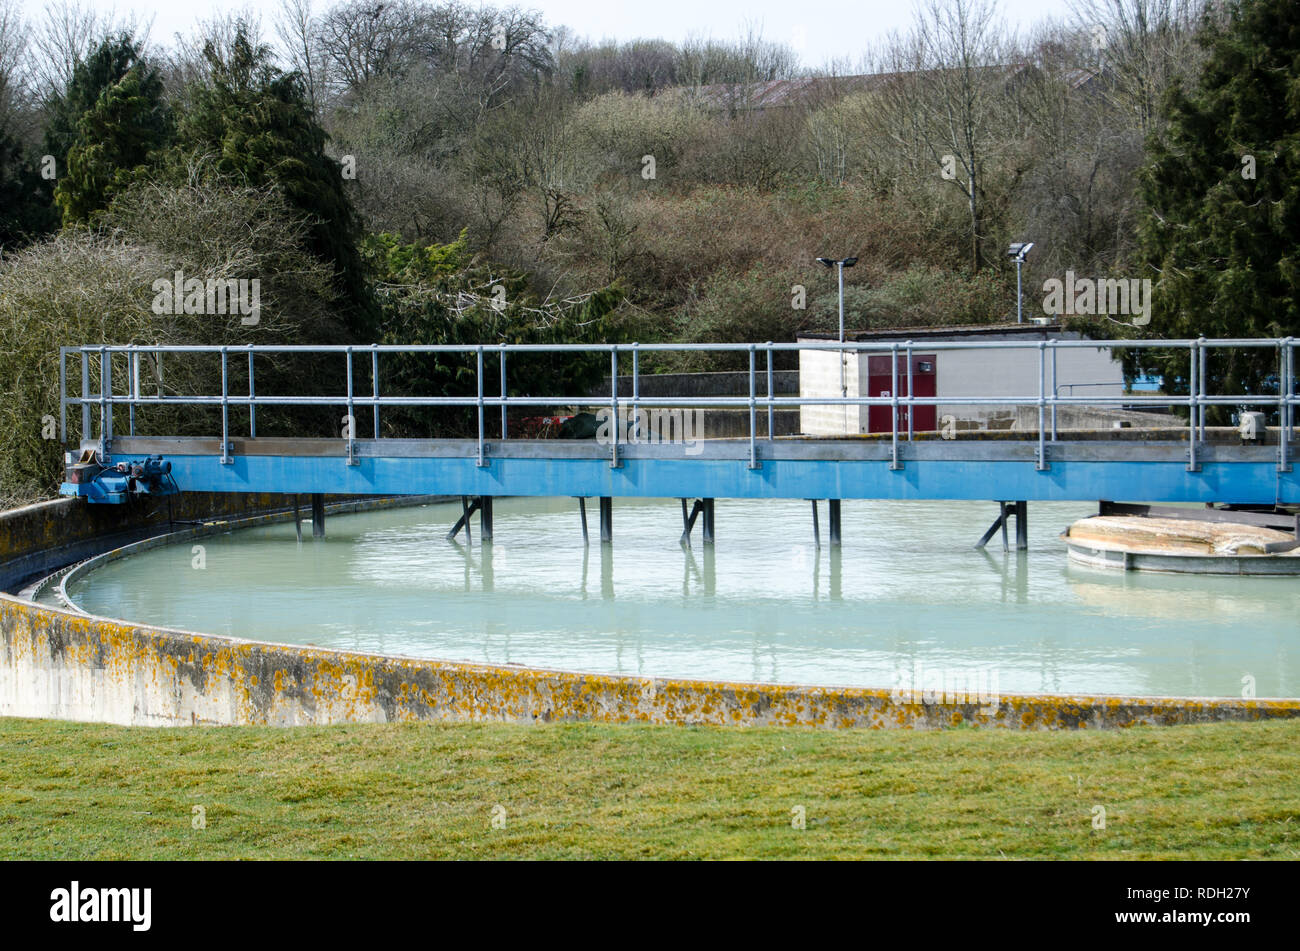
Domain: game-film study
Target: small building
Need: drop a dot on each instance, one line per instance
(959, 375)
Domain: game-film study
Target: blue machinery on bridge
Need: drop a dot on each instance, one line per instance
(1178, 464)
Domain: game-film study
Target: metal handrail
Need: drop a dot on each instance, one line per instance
(1044, 400)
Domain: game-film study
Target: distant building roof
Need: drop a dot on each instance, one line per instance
(939, 333)
(786, 92)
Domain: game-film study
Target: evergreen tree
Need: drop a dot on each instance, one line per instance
(115, 140)
(444, 294)
(25, 209)
(1221, 233)
(106, 66)
(258, 125)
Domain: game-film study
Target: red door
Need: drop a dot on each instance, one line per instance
(880, 382)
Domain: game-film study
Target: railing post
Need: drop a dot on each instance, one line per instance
(133, 382)
(352, 417)
(911, 407)
(482, 461)
(893, 392)
(85, 395)
(1041, 464)
(105, 407)
(615, 422)
(504, 391)
(1291, 387)
(252, 397)
(1290, 395)
(1056, 389)
(771, 407)
(753, 410)
(1192, 391)
(225, 407)
(1285, 385)
(636, 393)
(63, 396)
(1204, 390)
(374, 380)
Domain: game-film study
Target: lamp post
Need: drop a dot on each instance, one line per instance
(1017, 252)
(840, 265)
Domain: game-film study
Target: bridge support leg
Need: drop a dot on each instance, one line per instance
(834, 505)
(688, 522)
(999, 522)
(708, 521)
(606, 519)
(1022, 526)
(317, 515)
(817, 527)
(582, 511)
(297, 518)
(485, 517)
(467, 509)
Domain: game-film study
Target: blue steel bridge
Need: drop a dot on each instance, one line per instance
(1182, 462)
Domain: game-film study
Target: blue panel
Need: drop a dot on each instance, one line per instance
(1240, 482)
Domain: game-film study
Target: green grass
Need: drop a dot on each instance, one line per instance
(576, 791)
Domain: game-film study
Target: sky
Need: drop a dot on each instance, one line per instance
(820, 33)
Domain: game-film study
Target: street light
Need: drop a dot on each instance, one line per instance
(1018, 251)
(841, 265)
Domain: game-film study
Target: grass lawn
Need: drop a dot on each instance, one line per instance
(79, 791)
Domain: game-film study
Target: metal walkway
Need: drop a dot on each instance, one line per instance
(1182, 465)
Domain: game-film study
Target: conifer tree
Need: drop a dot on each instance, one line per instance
(1221, 232)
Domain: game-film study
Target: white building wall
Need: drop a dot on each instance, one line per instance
(1085, 371)
(819, 375)
(1015, 373)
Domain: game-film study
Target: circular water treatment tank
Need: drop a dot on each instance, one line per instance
(905, 602)
(1147, 543)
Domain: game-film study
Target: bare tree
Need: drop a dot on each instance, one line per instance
(297, 29)
(62, 39)
(1141, 47)
(949, 96)
(364, 39)
(13, 44)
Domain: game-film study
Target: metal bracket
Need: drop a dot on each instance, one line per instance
(352, 459)
(226, 449)
(1043, 458)
(483, 461)
(1193, 461)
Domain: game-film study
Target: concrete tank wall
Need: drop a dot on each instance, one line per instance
(56, 664)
